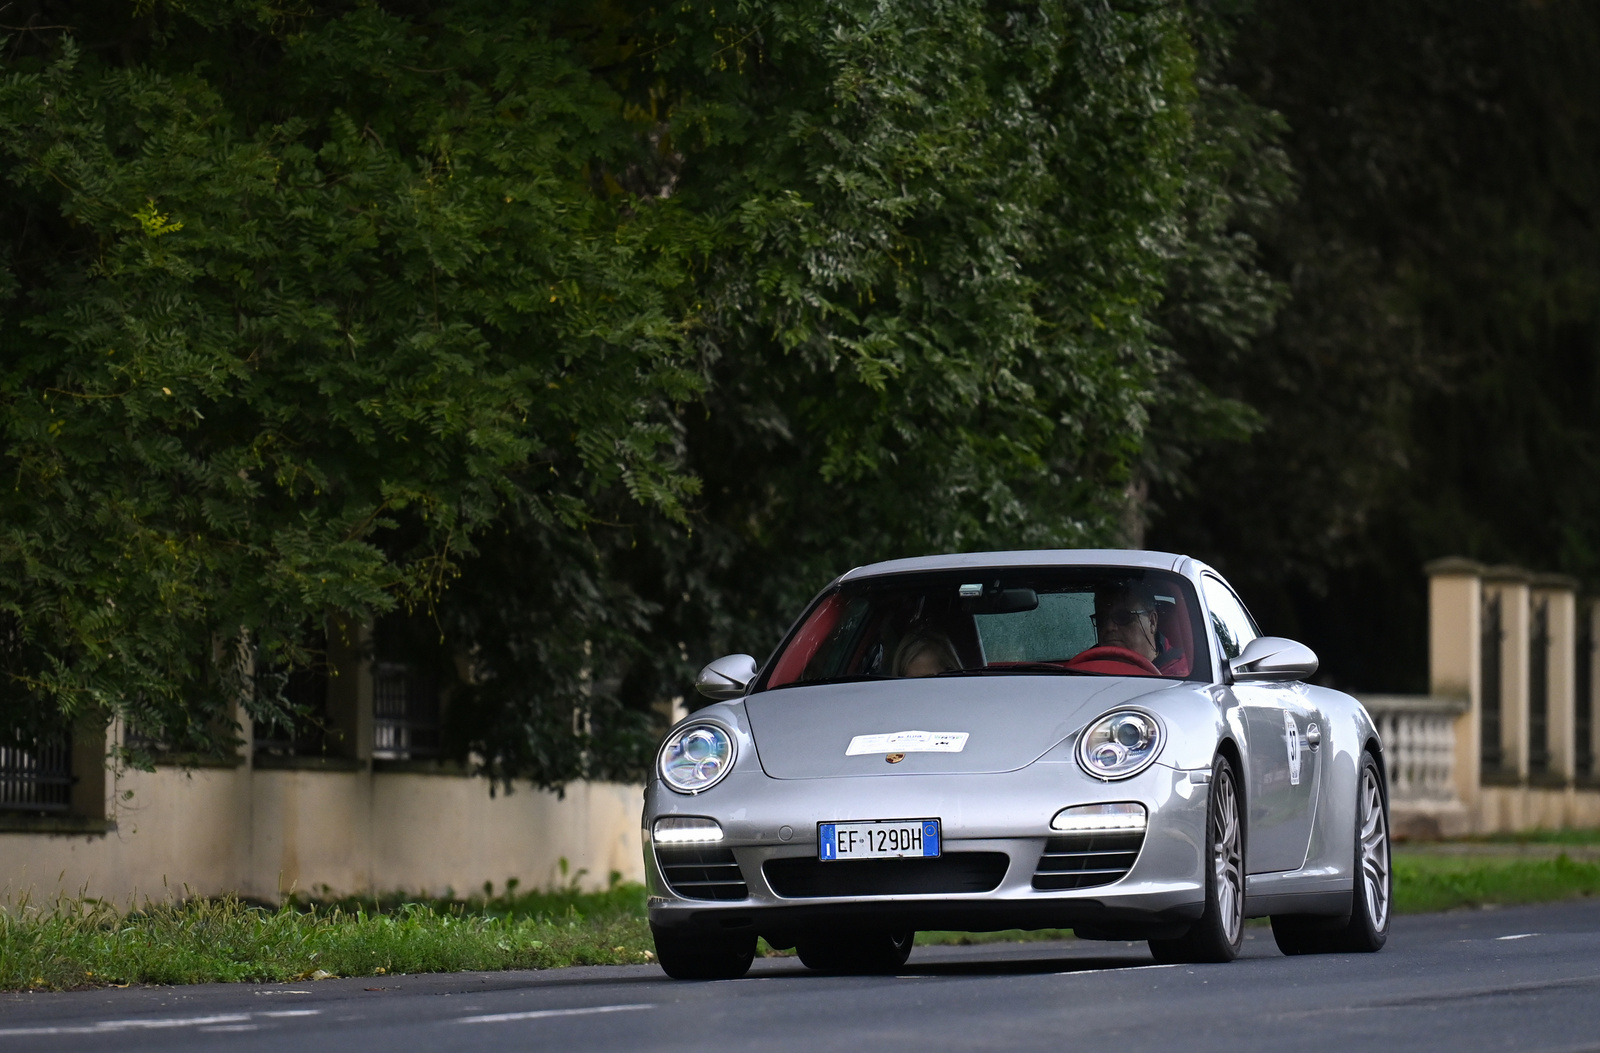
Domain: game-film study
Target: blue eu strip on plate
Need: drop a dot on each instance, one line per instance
(829, 841)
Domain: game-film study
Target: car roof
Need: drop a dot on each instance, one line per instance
(1051, 557)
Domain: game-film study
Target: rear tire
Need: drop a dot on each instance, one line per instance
(687, 954)
(1219, 933)
(1367, 928)
(861, 954)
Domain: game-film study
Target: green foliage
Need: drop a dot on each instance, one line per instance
(599, 335)
(934, 326)
(293, 312)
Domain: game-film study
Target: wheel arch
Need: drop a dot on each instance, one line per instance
(1374, 748)
(1228, 747)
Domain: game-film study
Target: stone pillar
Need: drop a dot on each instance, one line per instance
(1558, 596)
(1509, 585)
(1592, 776)
(1455, 608)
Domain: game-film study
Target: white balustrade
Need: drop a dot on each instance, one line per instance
(1418, 733)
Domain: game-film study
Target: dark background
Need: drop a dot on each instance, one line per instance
(1430, 387)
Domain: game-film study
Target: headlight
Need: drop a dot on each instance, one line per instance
(695, 758)
(686, 830)
(1125, 816)
(1120, 744)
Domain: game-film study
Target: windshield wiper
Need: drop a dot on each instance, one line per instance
(833, 680)
(1018, 667)
(1014, 669)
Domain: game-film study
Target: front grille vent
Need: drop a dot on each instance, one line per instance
(702, 873)
(805, 877)
(1086, 860)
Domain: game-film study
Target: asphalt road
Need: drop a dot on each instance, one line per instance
(1516, 979)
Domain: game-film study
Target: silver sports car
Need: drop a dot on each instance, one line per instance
(1094, 740)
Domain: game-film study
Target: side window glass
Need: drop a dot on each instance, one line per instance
(1228, 616)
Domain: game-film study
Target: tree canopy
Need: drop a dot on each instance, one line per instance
(295, 306)
(598, 336)
(602, 334)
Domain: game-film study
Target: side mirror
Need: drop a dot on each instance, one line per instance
(727, 677)
(1272, 658)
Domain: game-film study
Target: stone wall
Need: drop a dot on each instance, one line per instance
(261, 833)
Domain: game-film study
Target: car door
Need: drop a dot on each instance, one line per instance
(1283, 771)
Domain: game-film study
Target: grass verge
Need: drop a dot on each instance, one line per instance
(1541, 837)
(1440, 882)
(78, 943)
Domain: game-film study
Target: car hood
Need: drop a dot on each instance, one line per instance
(1010, 721)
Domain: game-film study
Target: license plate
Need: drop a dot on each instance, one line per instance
(878, 839)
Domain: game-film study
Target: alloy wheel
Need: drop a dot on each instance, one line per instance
(1374, 850)
(1227, 858)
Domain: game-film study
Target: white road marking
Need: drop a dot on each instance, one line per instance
(214, 1022)
(1118, 969)
(1518, 936)
(106, 1026)
(540, 1014)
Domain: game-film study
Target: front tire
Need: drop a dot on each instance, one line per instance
(1371, 900)
(861, 954)
(1219, 933)
(686, 954)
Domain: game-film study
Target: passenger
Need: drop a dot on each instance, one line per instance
(1126, 616)
(925, 652)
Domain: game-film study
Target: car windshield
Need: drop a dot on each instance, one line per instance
(1084, 621)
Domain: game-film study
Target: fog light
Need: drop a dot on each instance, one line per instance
(681, 830)
(1096, 818)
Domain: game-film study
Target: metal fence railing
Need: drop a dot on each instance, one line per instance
(306, 730)
(37, 778)
(405, 712)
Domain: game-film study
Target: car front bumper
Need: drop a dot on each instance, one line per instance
(765, 819)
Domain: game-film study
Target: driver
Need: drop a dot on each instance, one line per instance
(1125, 616)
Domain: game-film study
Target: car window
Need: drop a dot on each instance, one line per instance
(1235, 628)
(1089, 621)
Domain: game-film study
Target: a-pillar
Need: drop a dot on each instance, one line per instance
(1506, 588)
(1455, 629)
(1554, 597)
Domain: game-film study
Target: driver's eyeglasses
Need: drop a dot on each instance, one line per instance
(1121, 618)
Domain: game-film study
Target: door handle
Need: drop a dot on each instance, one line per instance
(1313, 736)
